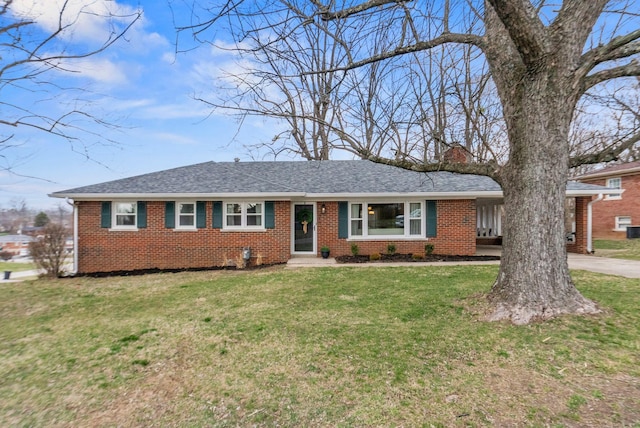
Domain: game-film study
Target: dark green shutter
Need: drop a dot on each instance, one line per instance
(343, 220)
(269, 215)
(170, 215)
(201, 215)
(217, 215)
(105, 214)
(432, 219)
(142, 214)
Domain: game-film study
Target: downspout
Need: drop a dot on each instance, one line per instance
(590, 223)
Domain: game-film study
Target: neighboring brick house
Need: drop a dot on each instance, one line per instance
(620, 207)
(204, 215)
(17, 245)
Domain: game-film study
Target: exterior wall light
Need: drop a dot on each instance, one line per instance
(323, 209)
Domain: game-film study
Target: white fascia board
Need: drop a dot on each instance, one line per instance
(618, 173)
(176, 196)
(591, 192)
(403, 195)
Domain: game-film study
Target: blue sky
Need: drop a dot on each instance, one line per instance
(140, 85)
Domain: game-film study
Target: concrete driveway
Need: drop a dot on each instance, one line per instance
(620, 267)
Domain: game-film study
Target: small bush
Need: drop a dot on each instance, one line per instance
(355, 250)
(6, 255)
(391, 249)
(374, 256)
(48, 252)
(428, 249)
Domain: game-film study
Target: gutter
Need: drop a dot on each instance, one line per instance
(590, 223)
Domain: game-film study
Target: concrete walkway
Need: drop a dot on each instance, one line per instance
(620, 267)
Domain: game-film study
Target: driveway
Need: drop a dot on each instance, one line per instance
(620, 267)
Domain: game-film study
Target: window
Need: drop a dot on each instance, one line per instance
(186, 215)
(614, 183)
(622, 222)
(244, 215)
(389, 219)
(124, 215)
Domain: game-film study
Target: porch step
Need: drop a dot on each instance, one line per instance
(310, 261)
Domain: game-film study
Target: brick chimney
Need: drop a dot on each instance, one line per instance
(457, 154)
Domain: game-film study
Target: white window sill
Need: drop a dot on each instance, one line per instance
(612, 198)
(123, 229)
(184, 229)
(387, 238)
(245, 229)
(620, 230)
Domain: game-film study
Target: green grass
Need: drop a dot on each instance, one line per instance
(16, 267)
(621, 249)
(343, 347)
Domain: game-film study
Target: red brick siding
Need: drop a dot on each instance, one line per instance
(580, 244)
(104, 250)
(456, 232)
(604, 212)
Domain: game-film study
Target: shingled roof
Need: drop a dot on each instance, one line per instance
(617, 169)
(296, 179)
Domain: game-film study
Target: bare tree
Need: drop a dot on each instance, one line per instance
(544, 59)
(30, 57)
(48, 251)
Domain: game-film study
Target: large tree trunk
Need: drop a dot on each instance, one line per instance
(534, 281)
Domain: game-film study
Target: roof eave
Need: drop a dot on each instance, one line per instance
(609, 173)
(165, 196)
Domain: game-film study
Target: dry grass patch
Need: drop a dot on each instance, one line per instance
(311, 347)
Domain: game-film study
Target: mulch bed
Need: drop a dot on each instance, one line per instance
(391, 258)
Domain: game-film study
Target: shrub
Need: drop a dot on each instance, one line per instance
(428, 249)
(48, 252)
(6, 255)
(374, 256)
(391, 249)
(355, 249)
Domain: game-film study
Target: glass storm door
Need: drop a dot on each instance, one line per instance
(304, 228)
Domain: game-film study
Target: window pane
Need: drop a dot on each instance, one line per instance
(125, 220)
(234, 220)
(356, 227)
(415, 210)
(254, 220)
(187, 208)
(234, 208)
(415, 227)
(125, 208)
(386, 219)
(187, 220)
(254, 208)
(356, 211)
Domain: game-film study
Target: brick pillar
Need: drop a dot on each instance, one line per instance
(580, 244)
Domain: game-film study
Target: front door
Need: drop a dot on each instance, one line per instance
(304, 228)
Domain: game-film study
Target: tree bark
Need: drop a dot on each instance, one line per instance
(538, 102)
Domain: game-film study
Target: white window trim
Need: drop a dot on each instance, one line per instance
(114, 216)
(243, 214)
(177, 215)
(407, 224)
(617, 227)
(615, 195)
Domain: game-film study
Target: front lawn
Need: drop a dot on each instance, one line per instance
(377, 346)
(620, 249)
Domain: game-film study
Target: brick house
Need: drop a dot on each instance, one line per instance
(204, 215)
(620, 207)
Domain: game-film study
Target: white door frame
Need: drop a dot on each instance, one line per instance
(314, 230)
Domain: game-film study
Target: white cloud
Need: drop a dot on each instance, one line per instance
(87, 20)
(100, 70)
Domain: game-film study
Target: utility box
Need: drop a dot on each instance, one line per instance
(633, 232)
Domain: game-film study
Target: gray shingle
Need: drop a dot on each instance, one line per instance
(316, 177)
